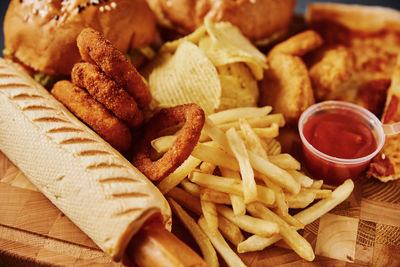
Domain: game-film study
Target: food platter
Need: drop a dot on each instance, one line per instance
(364, 230)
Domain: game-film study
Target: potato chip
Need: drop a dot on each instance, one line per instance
(188, 76)
(194, 37)
(239, 87)
(229, 45)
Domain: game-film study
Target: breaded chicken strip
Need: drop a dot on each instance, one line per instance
(107, 92)
(94, 114)
(286, 86)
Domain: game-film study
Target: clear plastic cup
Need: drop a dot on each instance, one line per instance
(331, 169)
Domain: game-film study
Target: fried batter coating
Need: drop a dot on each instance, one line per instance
(193, 117)
(94, 48)
(286, 86)
(107, 92)
(94, 114)
(299, 45)
(334, 66)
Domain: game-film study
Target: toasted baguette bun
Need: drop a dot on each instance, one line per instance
(257, 19)
(42, 34)
(89, 181)
(360, 51)
(355, 17)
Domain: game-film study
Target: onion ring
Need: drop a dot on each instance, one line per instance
(107, 92)
(94, 48)
(94, 114)
(193, 117)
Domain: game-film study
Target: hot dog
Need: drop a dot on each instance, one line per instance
(81, 174)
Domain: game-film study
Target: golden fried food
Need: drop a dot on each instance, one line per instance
(193, 117)
(94, 48)
(299, 44)
(386, 165)
(94, 114)
(107, 92)
(334, 67)
(286, 86)
(372, 36)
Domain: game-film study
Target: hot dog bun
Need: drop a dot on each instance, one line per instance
(89, 181)
(42, 34)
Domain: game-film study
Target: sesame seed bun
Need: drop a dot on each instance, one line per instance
(42, 34)
(257, 19)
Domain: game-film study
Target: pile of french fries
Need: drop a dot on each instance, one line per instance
(239, 187)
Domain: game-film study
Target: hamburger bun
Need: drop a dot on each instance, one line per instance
(257, 19)
(42, 34)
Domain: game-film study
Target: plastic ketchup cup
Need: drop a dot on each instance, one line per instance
(339, 140)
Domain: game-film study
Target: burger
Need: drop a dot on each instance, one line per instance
(259, 20)
(41, 35)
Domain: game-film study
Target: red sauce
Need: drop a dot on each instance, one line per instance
(338, 135)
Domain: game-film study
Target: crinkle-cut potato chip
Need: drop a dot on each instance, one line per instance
(220, 56)
(239, 88)
(194, 37)
(188, 76)
(230, 45)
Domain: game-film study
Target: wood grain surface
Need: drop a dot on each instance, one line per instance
(362, 231)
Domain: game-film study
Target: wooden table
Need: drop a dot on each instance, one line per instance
(363, 231)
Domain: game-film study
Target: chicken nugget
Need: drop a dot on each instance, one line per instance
(94, 114)
(94, 48)
(107, 92)
(299, 44)
(286, 86)
(333, 67)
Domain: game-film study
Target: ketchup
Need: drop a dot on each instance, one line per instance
(340, 135)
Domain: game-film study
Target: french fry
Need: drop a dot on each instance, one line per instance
(267, 132)
(207, 167)
(249, 224)
(222, 184)
(273, 147)
(208, 251)
(178, 175)
(317, 184)
(216, 134)
(289, 235)
(319, 193)
(301, 178)
(230, 230)
(215, 196)
(340, 194)
(190, 187)
(255, 243)
(273, 172)
(230, 186)
(282, 208)
(306, 216)
(230, 257)
(258, 122)
(265, 195)
(237, 113)
(238, 206)
(285, 161)
(252, 141)
(301, 200)
(210, 214)
(215, 155)
(163, 143)
(185, 199)
(239, 150)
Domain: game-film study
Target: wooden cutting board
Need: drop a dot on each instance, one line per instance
(363, 231)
